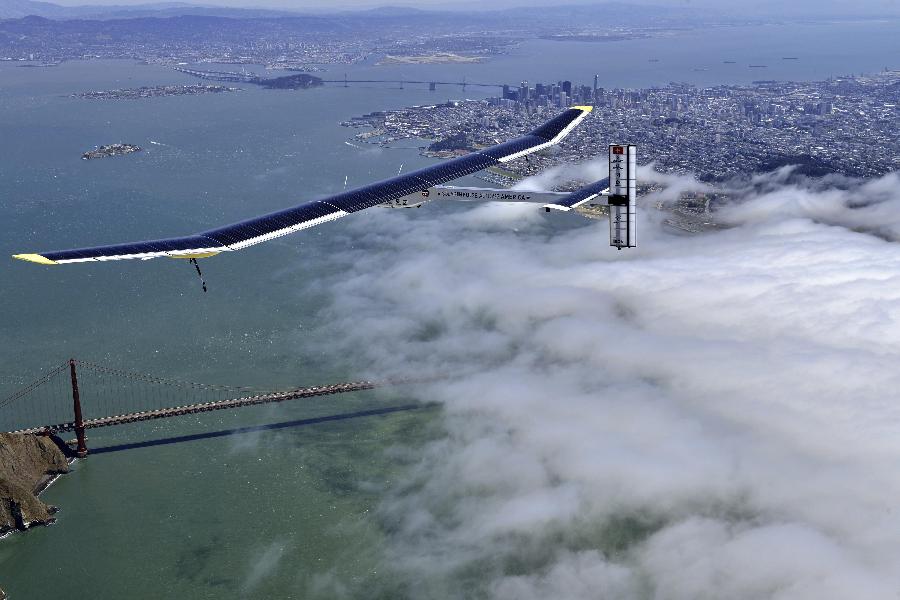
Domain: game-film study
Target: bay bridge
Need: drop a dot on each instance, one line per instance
(52, 404)
(250, 77)
(432, 85)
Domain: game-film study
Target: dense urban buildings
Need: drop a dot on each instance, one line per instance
(844, 125)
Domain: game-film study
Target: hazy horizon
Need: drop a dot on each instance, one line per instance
(762, 7)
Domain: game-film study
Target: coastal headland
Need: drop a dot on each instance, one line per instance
(28, 464)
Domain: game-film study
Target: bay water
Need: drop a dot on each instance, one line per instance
(272, 512)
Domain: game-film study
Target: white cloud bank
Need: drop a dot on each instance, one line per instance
(714, 416)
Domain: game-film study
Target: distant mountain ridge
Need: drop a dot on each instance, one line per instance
(599, 14)
(16, 9)
(582, 12)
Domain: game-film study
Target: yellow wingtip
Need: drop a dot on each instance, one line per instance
(35, 258)
(584, 108)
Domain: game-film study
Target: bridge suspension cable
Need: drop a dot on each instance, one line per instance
(80, 395)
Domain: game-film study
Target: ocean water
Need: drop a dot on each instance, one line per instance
(191, 516)
(266, 513)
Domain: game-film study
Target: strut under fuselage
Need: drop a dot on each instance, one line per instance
(619, 193)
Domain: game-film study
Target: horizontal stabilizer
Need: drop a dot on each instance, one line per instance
(585, 194)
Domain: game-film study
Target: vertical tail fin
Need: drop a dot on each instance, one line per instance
(622, 196)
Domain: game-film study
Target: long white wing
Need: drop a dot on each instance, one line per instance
(273, 225)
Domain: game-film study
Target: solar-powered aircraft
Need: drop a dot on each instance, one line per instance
(411, 189)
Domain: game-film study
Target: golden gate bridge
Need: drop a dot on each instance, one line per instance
(80, 395)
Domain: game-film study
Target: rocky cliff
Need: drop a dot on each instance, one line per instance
(27, 464)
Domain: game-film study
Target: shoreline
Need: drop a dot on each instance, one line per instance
(32, 463)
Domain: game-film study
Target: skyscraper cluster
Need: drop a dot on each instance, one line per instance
(561, 94)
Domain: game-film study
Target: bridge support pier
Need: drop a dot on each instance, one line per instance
(81, 451)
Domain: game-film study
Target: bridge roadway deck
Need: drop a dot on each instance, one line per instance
(188, 409)
(460, 83)
(253, 77)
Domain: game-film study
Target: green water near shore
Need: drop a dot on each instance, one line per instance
(262, 514)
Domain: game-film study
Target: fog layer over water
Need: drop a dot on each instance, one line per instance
(697, 417)
(702, 417)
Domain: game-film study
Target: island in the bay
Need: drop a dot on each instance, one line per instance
(110, 150)
(298, 81)
(155, 92)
